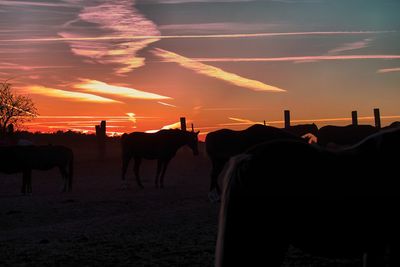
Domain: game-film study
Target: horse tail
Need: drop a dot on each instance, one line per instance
(232, 180)
(70, 171)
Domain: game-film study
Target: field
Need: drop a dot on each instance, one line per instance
(98, 224)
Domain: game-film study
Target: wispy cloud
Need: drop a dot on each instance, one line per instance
(228, 109)
(351, 46)
(175, 125)
(388, 70)
(32, 3)
(218, 27)
(75, 96)
(14, 66)
(76, 37)
(298, 58)
(214, 72)
(222, 1)
(166, 104)
(122, 21)
(98, 87)
(240, 122)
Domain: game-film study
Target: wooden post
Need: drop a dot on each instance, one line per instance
(183, 123)
(377, 116)
(354, 118)
(101, 138)
(287, 118)
(265, 123)
(192, 127)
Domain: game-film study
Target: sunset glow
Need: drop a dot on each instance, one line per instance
(73, 96)
(143, 64)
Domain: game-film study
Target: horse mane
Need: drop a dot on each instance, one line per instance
(232, 179)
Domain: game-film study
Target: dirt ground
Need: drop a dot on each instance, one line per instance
(98, 224)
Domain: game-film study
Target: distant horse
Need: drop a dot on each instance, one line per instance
(341, 204)
(221, 145)
(16, 159)
(395, 124)
(344, 135)
(161, 145)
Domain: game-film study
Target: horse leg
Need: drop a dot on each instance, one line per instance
(27, 182)
(24, 183)
(164, 168)
(64, 176)
(125, 164)
(136, 167)
(159, 165)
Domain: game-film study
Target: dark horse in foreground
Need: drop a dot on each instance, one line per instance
(341, 204)
(24, 159)
(344, 135)
(161, 145)
(221, 145)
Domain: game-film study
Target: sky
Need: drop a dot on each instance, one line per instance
(143, 64)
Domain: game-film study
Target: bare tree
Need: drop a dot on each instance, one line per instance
(14, 109)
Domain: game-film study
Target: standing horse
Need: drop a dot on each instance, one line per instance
(161, 145)
(333, 204)
(221, 145)
(344, 135)
(16, 159)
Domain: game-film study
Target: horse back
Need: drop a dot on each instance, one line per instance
(47, 157)
(344, 135)
(146, 145)
(226, 143)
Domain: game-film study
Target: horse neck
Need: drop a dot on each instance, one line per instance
(179, 140)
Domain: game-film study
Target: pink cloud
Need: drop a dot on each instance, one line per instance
(299, 58)
(388, 70)
(158, 37)
(351, 46)
(113, 44)
(211, 71)
(98, 87)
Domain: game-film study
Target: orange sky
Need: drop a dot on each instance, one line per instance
(141, 65)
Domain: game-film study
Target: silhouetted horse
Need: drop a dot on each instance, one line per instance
(344, 135)
(303, 129)
(16, 159)
(395, 124)
(339, 204)
(161, 145)
(221, 145)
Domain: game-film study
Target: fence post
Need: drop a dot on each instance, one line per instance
(377, 116)
(183, 123)
(354, 118)
(287, 118)
(101, 139)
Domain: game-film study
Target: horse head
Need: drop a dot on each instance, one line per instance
(193, 141)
